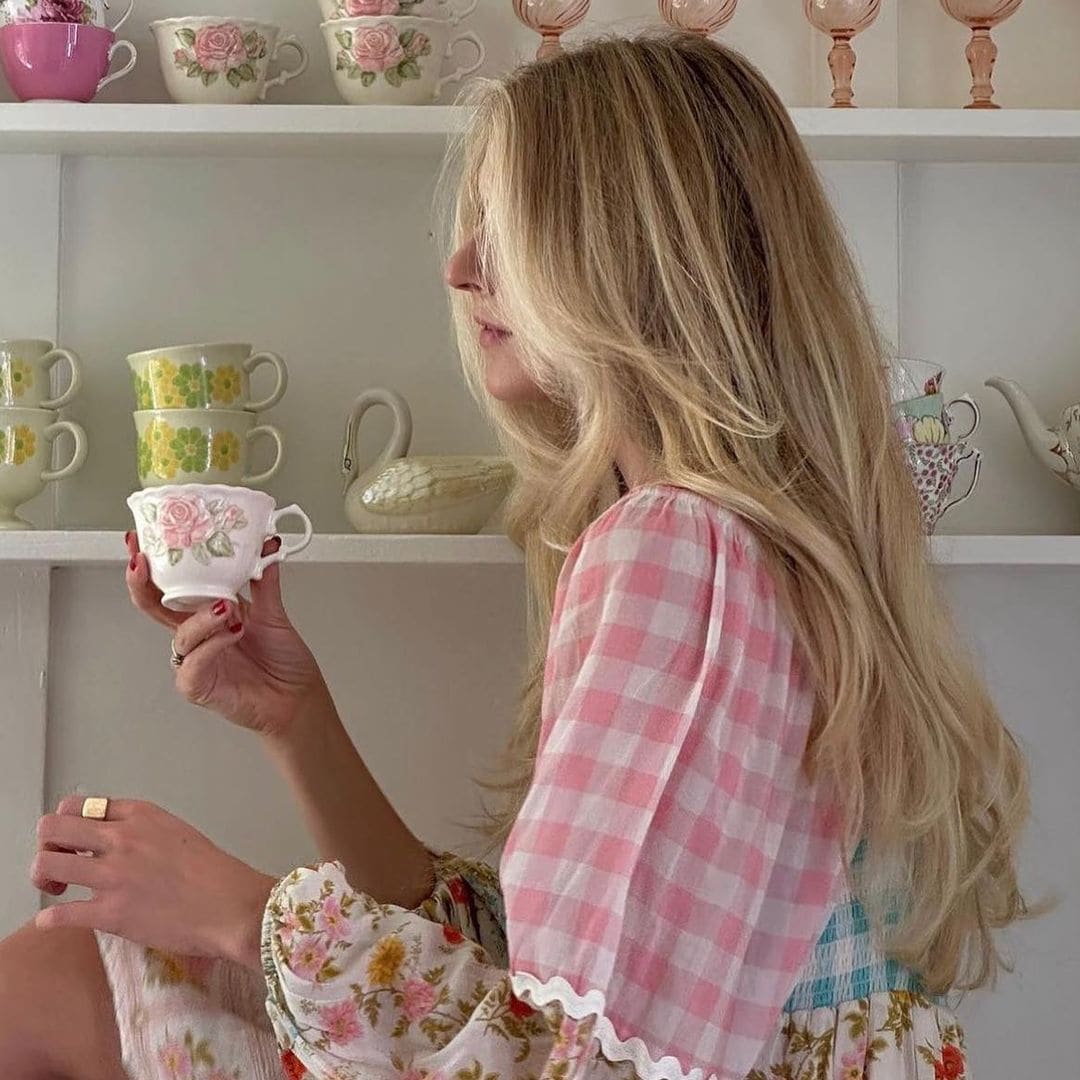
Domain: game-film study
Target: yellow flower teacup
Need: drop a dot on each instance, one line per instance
(199, 446)
(24, 374)
(203, 377)
(26, 438)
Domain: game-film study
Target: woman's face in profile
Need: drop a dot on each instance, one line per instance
(505, 377)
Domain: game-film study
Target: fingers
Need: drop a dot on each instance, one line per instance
(202, 626)
(145, 595)
(67, 869)
(266, 594)
(60, 832)
(88, 914)
(119, 809)
(195, 677)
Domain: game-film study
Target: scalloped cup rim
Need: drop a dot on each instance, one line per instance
(186, 489)
(215, 20)
(371, 20)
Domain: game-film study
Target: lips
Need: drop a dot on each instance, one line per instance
(491, 333)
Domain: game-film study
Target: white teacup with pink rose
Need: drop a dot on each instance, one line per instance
(204, 542)
(215, 60)
(395, 60)
(82, 12)
(451, 10)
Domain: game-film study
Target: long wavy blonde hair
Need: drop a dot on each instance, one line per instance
(675, 277)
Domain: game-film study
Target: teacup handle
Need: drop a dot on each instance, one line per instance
(977, 455)
(284, 552)
(124, 18)
(286, 75)
(456, 14)
(126, 69)
(78, 459)
(257, 360)
(460, 73)
(54, 357)
(252, 435)
(976, 417)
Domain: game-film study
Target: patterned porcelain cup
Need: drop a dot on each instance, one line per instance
(26, 438)
(86, 12)
(451, 10)
(24, 374)
(204, 541)
(394, 60)
(214, 60)
(913, 378)
(48, 61)
(203, 377)
(200, 446)
(934, 470)
(929, 419)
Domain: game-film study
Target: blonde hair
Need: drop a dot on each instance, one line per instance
(675, 277)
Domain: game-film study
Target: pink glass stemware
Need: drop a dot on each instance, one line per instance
(842, 20)
(550, 19)
(980, 17)
(698, 16)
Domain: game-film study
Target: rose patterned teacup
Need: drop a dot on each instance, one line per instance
(934, 470)
(913, 378)
(26, 438)
(451, 10)
(213, 60)
(203, 377)
(394, 60)
(24, 374)
(86, 12)
(204, 542)
(200, 446)
(929, 419)
(49, 61)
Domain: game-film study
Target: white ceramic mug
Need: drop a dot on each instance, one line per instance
(211, 60)
(394, 60)
(86, 12)
(26, 438)
(204, 542)
(452, 11)
(25, 365)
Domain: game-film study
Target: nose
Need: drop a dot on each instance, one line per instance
(463, 269)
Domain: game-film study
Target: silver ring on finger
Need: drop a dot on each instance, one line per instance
(176, 659)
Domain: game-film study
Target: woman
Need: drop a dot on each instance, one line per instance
(762, 814)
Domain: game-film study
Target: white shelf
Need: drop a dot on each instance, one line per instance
(928, 135)
(75, 548)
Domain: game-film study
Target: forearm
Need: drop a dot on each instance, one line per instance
(345, 810)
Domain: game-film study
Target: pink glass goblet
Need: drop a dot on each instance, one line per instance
(842, 20)
(698, 16)
(550, 19)
(980, 17)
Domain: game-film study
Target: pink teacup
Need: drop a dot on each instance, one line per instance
(60, 61)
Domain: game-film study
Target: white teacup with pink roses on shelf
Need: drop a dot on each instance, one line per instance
(395, 60)
(84, 12)
(211, 60)
(204, 542)
(451, 10)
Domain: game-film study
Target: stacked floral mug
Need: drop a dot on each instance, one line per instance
(29, 423)
(392, 52)
(201, 526)
(934, 448)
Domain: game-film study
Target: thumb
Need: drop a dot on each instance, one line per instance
(266, 594)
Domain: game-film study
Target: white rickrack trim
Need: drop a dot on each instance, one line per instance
(532, 991)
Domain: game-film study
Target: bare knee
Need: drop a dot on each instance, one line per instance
(57, 1020)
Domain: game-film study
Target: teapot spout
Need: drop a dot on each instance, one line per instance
(1044, 442)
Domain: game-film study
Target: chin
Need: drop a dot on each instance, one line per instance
(507, 381)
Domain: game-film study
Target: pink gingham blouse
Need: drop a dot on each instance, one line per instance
(668, 875)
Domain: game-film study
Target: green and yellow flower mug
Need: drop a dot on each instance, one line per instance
(199, 446)
(26, 438)
(203, 377)
(25, 365)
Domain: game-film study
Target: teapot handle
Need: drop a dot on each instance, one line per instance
(400, 439)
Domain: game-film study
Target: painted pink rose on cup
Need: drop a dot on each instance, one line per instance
(184, 522)
(69, 11)
(377, 48)
(372, 7)
(219, 48)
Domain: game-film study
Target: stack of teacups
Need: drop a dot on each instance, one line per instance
(29, 423)
(195, 416)
(60, 50)
(935, 449)
(391, 52)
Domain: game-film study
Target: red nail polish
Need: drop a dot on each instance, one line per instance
(133, 565)
(127, 537)
(220, 608)
(236, 628)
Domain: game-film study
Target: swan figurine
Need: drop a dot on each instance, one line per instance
(401, 494)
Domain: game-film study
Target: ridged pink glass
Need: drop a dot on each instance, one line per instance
(981, 16)
(698, 16)
(550, 19)
(842, 20)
